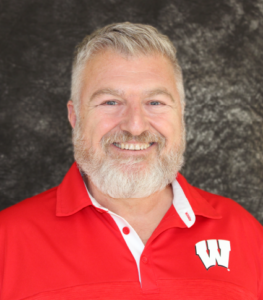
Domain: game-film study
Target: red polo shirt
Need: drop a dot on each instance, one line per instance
(58, 245)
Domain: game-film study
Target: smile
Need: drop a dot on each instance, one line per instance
(135, 147)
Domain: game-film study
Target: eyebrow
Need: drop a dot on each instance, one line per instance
(119, 93)
(106, 91)
(159, 91)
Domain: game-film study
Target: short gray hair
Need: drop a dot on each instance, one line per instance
(128, 39)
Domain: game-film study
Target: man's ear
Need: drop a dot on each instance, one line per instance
(72, 117)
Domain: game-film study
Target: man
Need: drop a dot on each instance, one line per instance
(124, 224)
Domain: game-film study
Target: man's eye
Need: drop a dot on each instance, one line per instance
(155, 103)
(110, 103)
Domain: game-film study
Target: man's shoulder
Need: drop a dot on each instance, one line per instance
(30, 208)
(231, 211)
(222, 204)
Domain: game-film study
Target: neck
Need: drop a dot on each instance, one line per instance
(143, 214)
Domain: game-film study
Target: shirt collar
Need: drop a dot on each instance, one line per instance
(199, 205)
(72, 196)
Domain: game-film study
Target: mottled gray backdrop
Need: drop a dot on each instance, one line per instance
(220, 45)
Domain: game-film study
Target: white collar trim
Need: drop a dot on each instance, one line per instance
(182, 205)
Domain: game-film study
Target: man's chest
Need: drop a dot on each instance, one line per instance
(90, 260)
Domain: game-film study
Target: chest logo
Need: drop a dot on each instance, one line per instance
(212, 252)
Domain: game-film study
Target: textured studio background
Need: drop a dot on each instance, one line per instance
(220, 46)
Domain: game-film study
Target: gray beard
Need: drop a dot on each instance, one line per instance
(123, 177)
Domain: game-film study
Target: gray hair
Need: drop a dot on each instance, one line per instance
(128, 39)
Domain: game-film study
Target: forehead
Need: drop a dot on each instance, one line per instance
(109, 69)
(110, 58)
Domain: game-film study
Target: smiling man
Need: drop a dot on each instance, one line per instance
(124, 224)
(129, 135)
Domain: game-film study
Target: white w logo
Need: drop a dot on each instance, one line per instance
(209, 260)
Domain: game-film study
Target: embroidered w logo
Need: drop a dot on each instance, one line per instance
(218, 252)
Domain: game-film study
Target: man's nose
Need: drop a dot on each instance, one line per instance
(135, 120)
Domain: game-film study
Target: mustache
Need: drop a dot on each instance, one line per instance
(125, 136)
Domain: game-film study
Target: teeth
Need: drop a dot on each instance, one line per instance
(135, 147)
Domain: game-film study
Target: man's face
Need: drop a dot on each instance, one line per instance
(130, 116)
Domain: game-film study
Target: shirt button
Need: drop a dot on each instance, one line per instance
(144, 259)
(126, 230)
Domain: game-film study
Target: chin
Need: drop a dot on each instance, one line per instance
(128, 176)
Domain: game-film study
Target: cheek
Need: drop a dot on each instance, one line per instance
(97, 127)
(170, 126)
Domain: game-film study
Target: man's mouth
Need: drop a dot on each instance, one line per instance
(132, 146)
